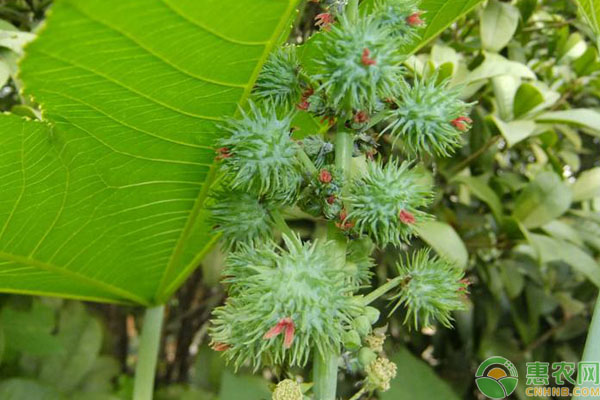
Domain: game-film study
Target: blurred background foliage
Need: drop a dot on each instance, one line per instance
(518, 207)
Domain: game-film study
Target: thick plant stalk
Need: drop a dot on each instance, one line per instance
(343, 151)
(325, 369)
(591, 352)
(325, 365)
(352, 9)
(284, 228)
(381, 290)
(148, 353)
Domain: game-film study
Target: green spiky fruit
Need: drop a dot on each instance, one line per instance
(259, 155)
(241, 217)
(431, 289)
(428, 118)
(359, 262)
(358, 63)
(401, 17)
(385, 202)
(278, 81)
(283, 304)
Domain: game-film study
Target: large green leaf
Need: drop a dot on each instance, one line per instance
(440, 14)
(104, 201)
(583, 117)
(587, 185)
(445, 241)
(528, 97)
(590, 10)
(20, 388)
(514, 131)
(496, 65)
(552, 249)
(479, 187)
(545, 198)
(243, 387)
(415, 380)
(498, 24)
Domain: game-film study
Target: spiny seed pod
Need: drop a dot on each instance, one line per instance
(241, 217)
(431, 289)
(287, 389)
(379, 374)
(385, 202)
(428, 118)
(278, 81)
(285, 306)
(401, 17)
(359, 261)
(359, 63)
(240, 264)
(261, 158)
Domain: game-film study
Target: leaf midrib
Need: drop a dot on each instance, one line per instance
(163, 291)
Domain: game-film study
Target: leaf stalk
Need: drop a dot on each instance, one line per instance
(143, 388)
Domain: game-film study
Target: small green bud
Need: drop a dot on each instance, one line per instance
(366, 356)
(362, 325)
(351, 340)
(379, 374)
(287, 389)
(372, 314)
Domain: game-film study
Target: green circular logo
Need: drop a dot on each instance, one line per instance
(496, 377)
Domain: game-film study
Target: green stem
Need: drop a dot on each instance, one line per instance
(285, 229)
(306, 161)
(375, 119)
(148, 353)
(344, 146)
(325, 365)
(313, 83)
(325, 368)
(381, 290)
(352, 10)
(465, 163)
(591, 351)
